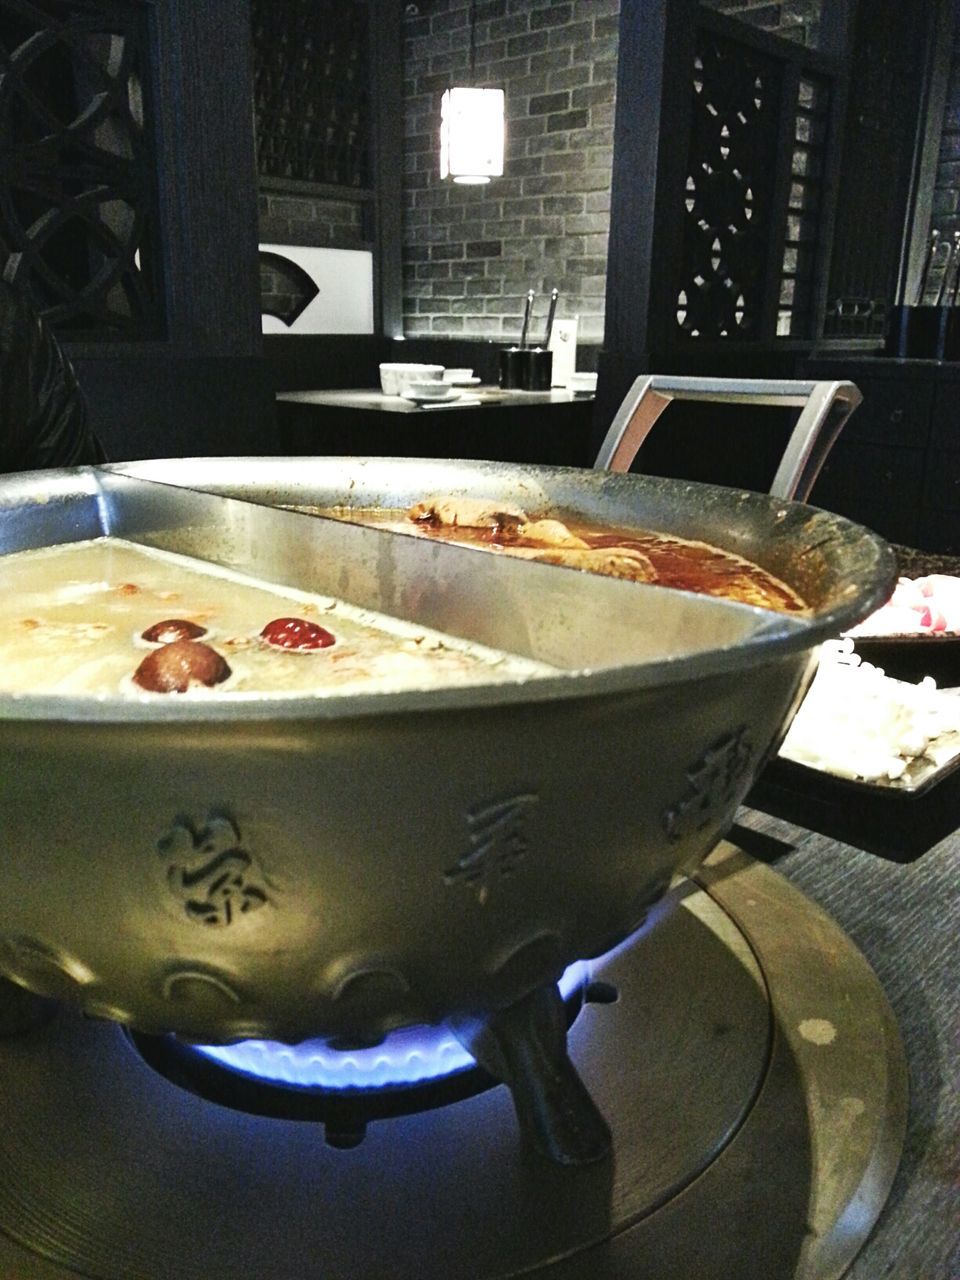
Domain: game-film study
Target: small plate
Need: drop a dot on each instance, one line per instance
(451, 393)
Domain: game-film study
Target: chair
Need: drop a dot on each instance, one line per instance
(825, 408)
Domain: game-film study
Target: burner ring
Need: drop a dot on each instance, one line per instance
(332, 1095)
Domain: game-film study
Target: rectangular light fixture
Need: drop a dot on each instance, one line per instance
(471, 134)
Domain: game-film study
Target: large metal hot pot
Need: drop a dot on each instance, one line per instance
(303, 868)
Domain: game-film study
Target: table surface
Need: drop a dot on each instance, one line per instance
(477, 397)
(905, 918)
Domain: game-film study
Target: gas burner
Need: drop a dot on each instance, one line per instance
(414, 1069)
(750, 1071)
(412, 1055)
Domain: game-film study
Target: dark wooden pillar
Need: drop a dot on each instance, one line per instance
(202, 74)
(649, 153)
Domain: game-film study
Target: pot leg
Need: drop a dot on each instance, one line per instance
(525, 1046)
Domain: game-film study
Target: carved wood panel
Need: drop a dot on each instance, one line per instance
(78, 212)
(751, 204)
(311, 96)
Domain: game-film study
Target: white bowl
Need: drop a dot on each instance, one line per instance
(454, 376)
(394, 377)
(583, 382)
(427, 389)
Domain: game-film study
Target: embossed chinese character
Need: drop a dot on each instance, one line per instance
(497, 843)
(711, 785)
(211, 872)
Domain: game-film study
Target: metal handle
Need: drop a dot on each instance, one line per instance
(826, 406)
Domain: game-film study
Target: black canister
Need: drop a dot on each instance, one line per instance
(526, 368)
(915, 333)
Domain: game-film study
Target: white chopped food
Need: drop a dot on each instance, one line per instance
(918, 606)
(856, 722)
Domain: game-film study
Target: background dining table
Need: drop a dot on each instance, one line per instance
(484, 422)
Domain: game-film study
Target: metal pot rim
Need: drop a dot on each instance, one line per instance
(782, 637)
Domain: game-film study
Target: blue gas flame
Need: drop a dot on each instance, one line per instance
(408, 1056)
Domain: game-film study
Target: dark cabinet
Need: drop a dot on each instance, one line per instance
(896, 467)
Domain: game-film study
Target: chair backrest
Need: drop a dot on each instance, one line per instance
(825, 408)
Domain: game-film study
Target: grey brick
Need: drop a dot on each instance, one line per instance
(575, 78)
(526, 127)
(483, 327)
(543, 184)
(434, 83)
(474, 230)
(548, 103)
(574, 33)
(555, 15)
(504, 189)
(413, 326)
(568, 121)
(566, 162)
(588, 224)
(505, 228)
(489, 54)
(527, 167)
(948, 173)
(523, 206)
(599, 10)
(525, 45)
(591, 95)
(533, 84)
(565, 204)
(604, 72)
(563, 248)
(597, 201)
(559, 141)
(542, 226)
(551, 60)
(434, 271)
(506, 70)
(484, 287)
(515, 21)
(595, 180)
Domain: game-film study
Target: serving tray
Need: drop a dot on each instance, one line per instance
(897, 820)
(912, 657)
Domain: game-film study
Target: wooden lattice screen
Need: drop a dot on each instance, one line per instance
(78, 213)
(311, 95)
(752, 199)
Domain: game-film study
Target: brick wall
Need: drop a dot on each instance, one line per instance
(471, 253)
(297, 219)
(946, 197)
(305, 220)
